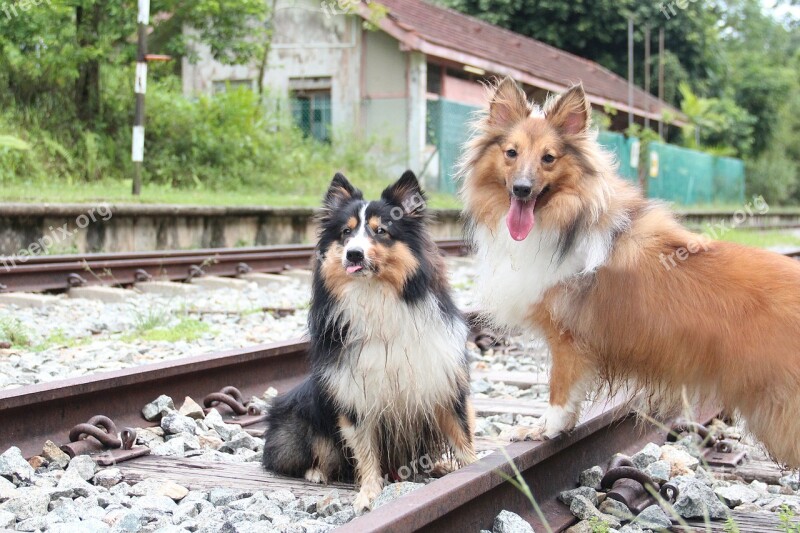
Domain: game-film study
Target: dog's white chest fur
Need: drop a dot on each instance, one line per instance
(401, 360)
(514, 276)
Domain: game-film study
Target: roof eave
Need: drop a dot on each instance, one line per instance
(413, 42)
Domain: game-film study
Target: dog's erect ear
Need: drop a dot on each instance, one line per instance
(570, 113)
(340, 192)
(509, 105)
(407, 194)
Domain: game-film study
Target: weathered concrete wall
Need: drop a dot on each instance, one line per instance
(308, 44)
(75, 228)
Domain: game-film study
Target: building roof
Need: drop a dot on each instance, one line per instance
(445, 33)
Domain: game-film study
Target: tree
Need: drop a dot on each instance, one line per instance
(54, 45)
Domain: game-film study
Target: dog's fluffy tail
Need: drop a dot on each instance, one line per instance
(289, 435)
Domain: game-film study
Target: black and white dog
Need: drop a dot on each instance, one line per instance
(389, 381)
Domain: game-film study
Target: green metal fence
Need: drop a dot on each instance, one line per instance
(675, 174)
(448, 130)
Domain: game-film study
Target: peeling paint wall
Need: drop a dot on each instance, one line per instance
(377, 90)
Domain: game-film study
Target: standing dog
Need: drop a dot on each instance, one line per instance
(389, 384)
(569, 250)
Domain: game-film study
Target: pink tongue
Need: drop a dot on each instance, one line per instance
(353, 269)
(520, 219)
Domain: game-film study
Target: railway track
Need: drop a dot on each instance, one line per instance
(467, 500)
(62, 272)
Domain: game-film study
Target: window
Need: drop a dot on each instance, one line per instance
(222, 86)
(312, 113)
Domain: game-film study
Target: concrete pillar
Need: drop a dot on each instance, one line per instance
(417, 109)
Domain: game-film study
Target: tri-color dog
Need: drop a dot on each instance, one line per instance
(389, 383)
(567, 249)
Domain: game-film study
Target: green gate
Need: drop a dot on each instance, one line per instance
(448, 130)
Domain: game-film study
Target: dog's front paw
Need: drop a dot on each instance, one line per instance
(366, 495)
(520, 434)
(315, 475)
(443, 467)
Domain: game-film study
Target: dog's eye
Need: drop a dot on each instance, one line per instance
(346, 231)
(511, 153)
(380, 231)
(548, 158)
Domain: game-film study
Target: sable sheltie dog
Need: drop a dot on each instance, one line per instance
(619, 289)
(389, 383)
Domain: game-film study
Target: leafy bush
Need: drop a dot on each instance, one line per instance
(774, 176)
(229, 141)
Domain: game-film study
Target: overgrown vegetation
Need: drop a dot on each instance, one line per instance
(13, 332)
(163, 325)
(66, 107)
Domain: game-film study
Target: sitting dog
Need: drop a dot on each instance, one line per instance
(389, 383)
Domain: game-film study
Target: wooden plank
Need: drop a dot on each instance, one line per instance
(523, 380)
(203, 475)
(496, 406)
(765, 471)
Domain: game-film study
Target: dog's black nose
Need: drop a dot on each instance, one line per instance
(355, 255)
(522, 189)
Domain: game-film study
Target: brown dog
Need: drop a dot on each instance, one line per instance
(568, 249)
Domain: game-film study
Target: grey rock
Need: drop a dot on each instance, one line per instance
(481, 386)
(340, 518)
(616, 509)
(792, 481)
(508, 522)
(697, 500)
(148, 436)
(242, 516)
(631, 528)
(89, 526)
(188, 509)
(736, 495)
(221, 496)
(36, 523)
(72, 485)
(174, 423)
(82, 465)
(63, 510)
(394, 491)
(282, 497)
(591, 477)
(659, 471)
(108, 477)
(143, 488)
(14, 466)
(158, 408)
(172, 448)
(308, 504)
(654, 518)
(214, 421)
(584, 526)
(28, 502)
(649, 454)
(55, 455)
(585, 510)
(7, 489)
(262, 526)
(309, 525)
(241, 441)
(7, 520)
(158, 503)
(589, 493)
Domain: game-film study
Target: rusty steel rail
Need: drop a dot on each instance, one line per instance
(61, 272)
(33, 414)
(467, 500)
